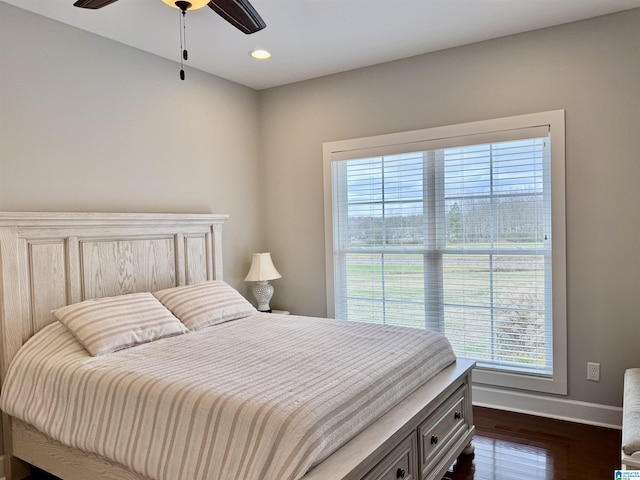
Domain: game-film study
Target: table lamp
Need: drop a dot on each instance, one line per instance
(262, 270)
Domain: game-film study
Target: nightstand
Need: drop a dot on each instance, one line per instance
(280, 312)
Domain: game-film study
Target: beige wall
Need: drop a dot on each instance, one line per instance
(88, 124)
(590, 69)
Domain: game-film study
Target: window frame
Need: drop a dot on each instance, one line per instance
(479, 132)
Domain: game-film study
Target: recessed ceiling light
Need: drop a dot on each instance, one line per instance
(260, 54)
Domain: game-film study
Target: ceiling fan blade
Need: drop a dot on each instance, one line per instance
(93, 4)
(239, 13)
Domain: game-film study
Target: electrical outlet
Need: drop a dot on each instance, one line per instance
(593, 371)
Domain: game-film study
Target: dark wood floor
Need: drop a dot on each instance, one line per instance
(516, 446)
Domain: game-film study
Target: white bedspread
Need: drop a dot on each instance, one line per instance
(264, 397)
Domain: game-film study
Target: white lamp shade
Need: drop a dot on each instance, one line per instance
(262, 268)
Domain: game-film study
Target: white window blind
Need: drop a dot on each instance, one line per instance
(456, 239)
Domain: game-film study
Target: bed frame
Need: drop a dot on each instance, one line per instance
(48, 260)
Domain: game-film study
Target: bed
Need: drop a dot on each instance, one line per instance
(49, 261)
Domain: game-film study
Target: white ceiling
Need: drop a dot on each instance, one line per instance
(312, 38)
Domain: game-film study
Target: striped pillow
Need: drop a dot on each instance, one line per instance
(204, 304)
(104, 325)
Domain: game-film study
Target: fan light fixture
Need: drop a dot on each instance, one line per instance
(195, 4)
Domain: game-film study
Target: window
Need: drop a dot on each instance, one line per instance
(460, 230)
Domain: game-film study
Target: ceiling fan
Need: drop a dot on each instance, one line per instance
(239, 13)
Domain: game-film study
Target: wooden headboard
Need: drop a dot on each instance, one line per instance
(48, 260)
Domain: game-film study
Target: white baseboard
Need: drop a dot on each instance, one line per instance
(546, 406)
(1, 467)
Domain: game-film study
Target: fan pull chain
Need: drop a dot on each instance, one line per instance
(185, 55)
(183, 6)
(183, 42)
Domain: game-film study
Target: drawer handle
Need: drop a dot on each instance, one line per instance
(400, 473)
(434, 440)
(457, 415)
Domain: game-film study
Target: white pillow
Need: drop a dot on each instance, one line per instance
(204, 304)
(104, 325)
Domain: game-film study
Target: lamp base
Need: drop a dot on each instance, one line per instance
(263, 291)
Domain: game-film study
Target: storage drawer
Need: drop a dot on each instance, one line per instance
(443, 428)
(399, 464)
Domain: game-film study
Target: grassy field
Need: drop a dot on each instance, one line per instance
(491, 306)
